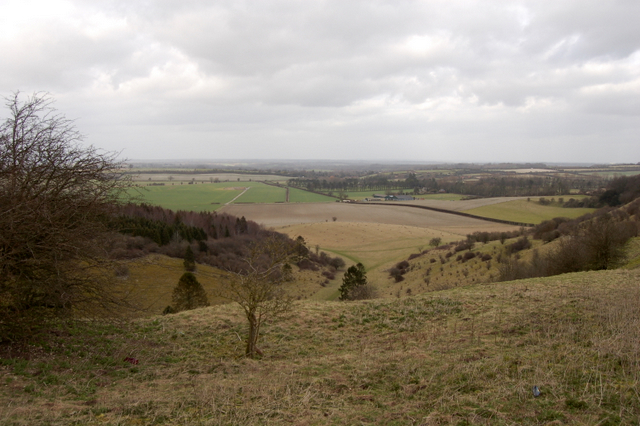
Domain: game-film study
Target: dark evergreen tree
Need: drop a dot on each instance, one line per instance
(189, 294)
(189, 260)
(355, 277)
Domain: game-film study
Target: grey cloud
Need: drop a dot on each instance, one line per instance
(426, 76)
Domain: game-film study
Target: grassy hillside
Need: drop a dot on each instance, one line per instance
(150, 282)
(463, 356)
(527, 211)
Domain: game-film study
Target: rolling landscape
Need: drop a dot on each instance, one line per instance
(312, 213)
(441, 340)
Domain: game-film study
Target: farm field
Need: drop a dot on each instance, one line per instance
(461, 205)
(258, 192)
(197, 197)
(614, 174)
(526, 211)
(185, 176)
(376, 235)
(278, 215)
(212, 196)
(299, 196)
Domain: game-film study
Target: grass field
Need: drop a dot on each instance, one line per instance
(211, 196)
(184, 175)
(526, 211)
(465, 356)
(198, 197)
(261, 193)
(299, 196)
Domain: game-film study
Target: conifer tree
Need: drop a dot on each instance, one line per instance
(189, 294)
(354, 278)
(189, 260)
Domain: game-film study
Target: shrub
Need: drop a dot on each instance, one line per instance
(522, 243)
(306, 264)
(328, 274)
(468, 256)
(337, 263)
(402, 265)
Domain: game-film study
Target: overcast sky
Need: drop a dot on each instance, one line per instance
(463, 81)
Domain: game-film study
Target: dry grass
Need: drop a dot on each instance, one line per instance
(377, 246)
(150, 282)
(527, 211)
(463, 356)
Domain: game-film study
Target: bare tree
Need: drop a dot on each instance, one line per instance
(55, 198)
(258, 288)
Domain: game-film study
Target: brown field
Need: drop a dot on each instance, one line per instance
(378, 236)
(462, 205)
(279, 215)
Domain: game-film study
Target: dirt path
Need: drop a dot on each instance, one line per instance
(238, 196)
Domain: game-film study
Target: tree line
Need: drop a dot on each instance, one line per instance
(490, 186)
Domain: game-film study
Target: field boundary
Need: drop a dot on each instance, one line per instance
(437, 209)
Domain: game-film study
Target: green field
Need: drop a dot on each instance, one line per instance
(526, 211)
(197, 197)
(212, 196)
(299, 196)
(260, 193)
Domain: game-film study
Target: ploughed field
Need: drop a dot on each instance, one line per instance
(278, 215)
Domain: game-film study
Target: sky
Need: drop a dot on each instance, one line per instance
(399, 80)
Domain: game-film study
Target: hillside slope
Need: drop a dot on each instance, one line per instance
(469, 355)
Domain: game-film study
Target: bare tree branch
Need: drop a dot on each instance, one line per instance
(55, 197)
